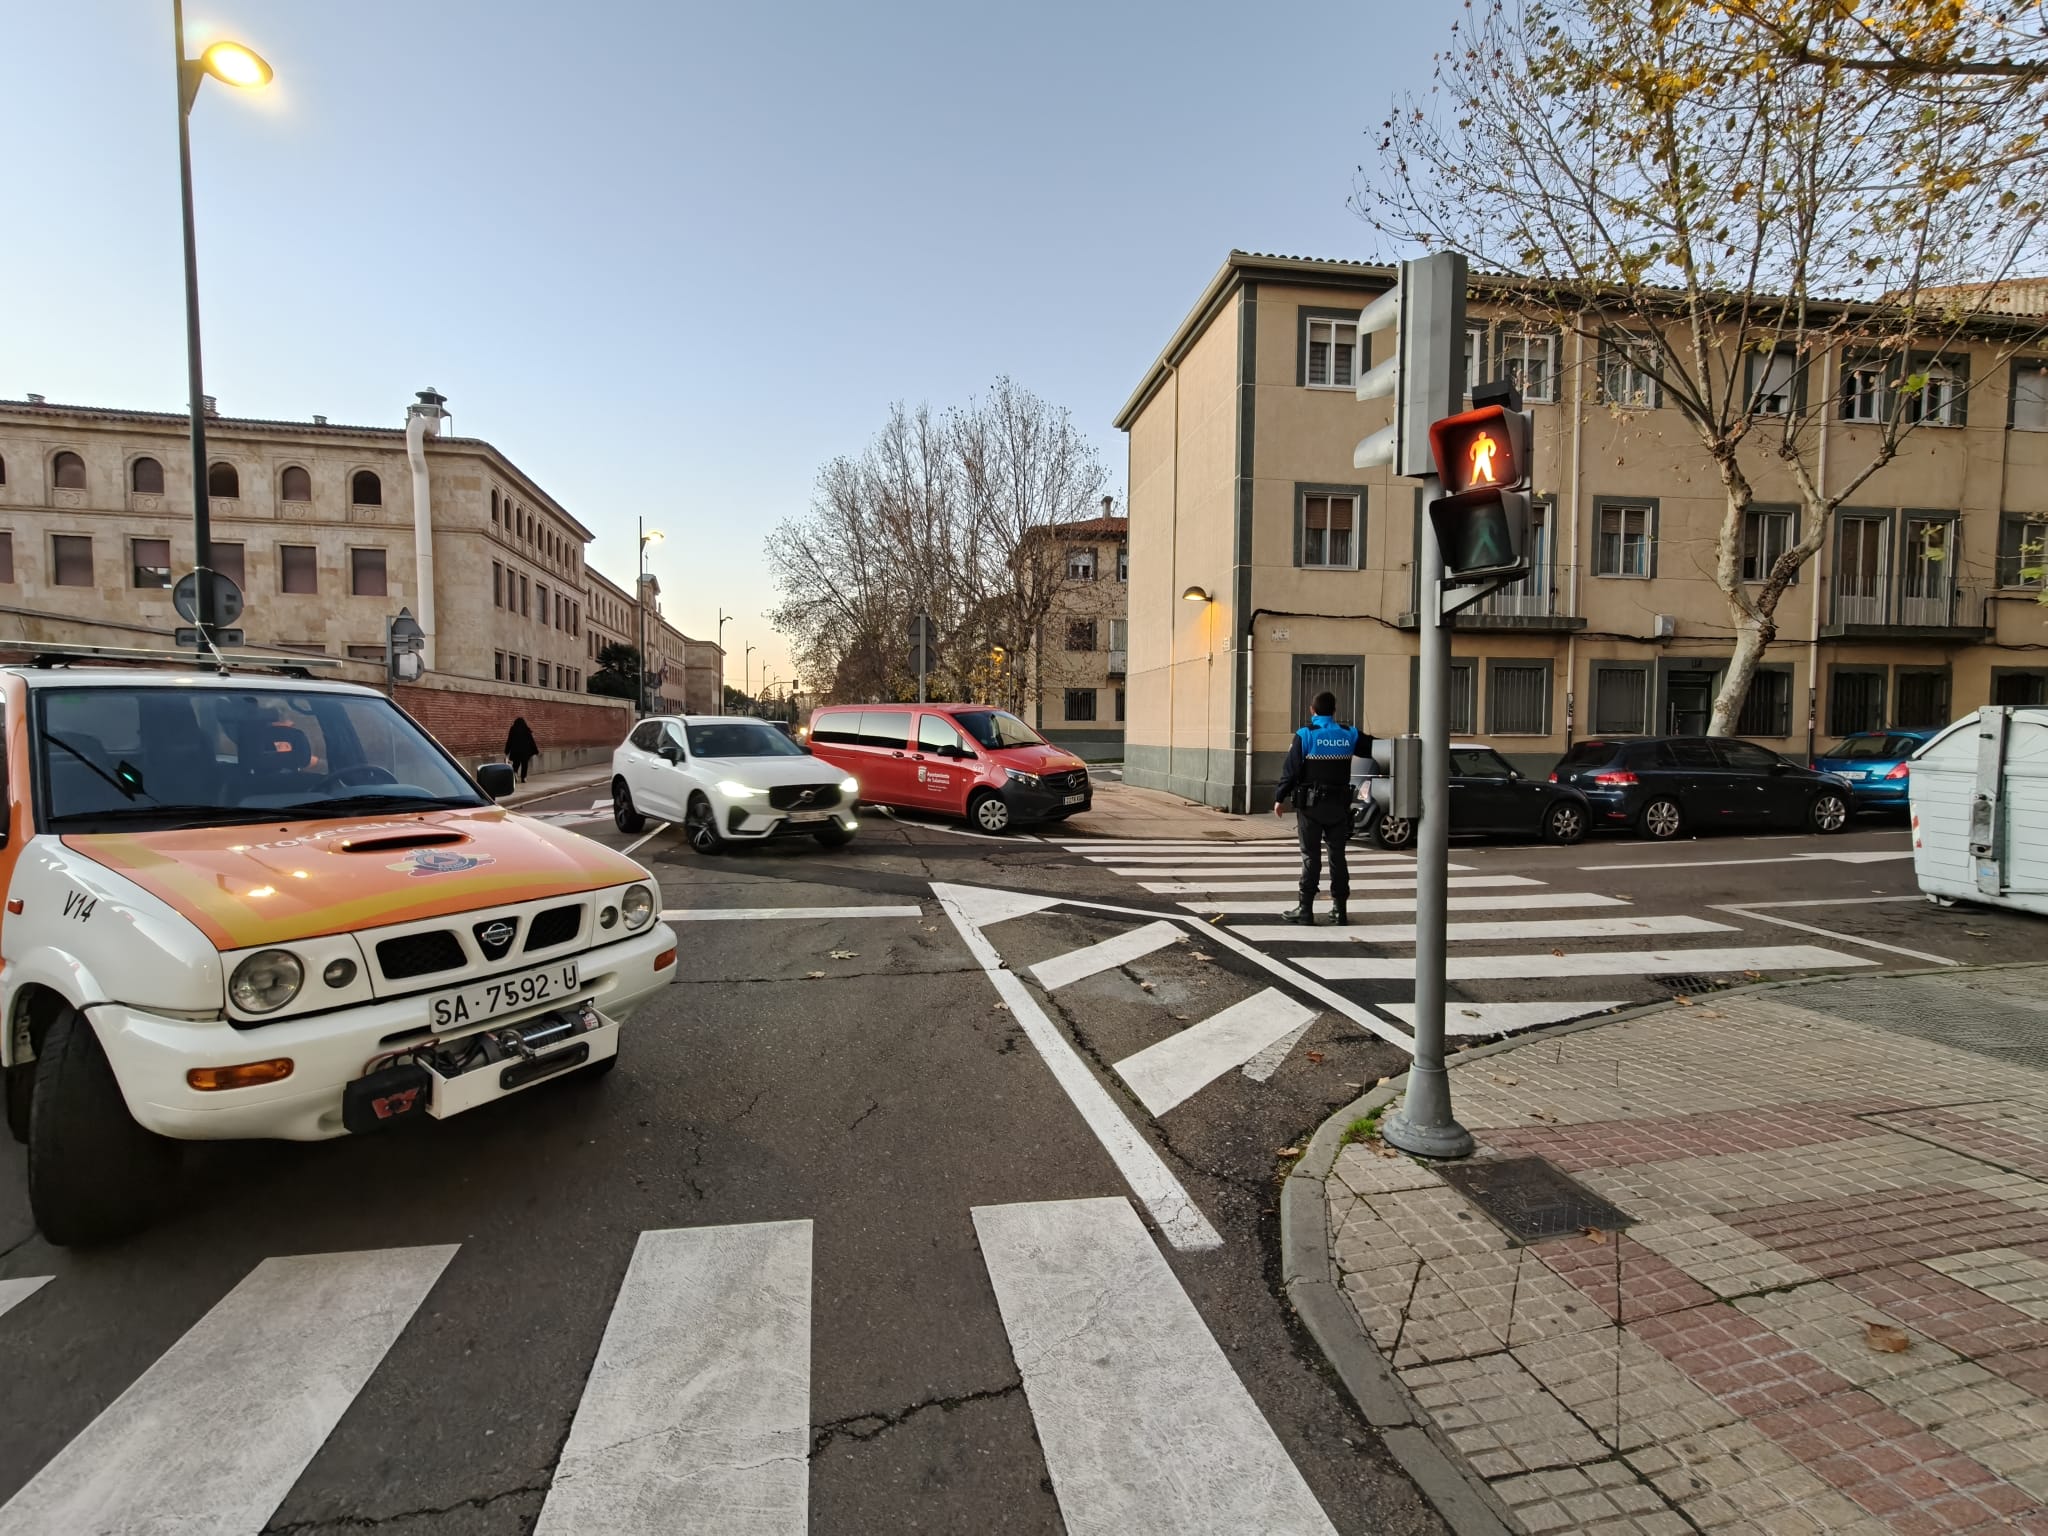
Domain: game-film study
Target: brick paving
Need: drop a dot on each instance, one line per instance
(1830, 1314)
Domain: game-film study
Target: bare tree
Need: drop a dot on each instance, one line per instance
(1718, 232)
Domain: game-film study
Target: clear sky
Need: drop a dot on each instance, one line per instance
(671, 257)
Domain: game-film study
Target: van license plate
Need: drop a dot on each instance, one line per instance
(1074, 799)
(488, 999)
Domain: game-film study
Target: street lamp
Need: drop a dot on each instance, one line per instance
(647, 536)
(245, 69)
(724, 619)
(747, 676)
(1194, 595)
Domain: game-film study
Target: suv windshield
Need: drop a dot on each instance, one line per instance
(741, 739)
(997, 728)
(183, 756)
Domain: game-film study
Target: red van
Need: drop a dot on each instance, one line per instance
(969, 760)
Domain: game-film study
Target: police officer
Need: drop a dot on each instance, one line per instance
(1318, 778)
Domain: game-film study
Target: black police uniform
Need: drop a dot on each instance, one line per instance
(1318, 777)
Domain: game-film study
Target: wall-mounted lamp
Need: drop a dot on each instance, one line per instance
(1195, 595)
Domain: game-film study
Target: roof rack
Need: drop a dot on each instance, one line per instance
(293, 664)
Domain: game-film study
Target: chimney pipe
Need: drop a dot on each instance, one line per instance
(35, 400)
(422, 421)
(212, 405)
(319, 421)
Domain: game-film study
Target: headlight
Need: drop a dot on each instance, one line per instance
(735, 791)
(849, 785)
(1022, 777)
(637, 906)
(266, 981)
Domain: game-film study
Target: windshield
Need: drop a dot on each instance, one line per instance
(743, 738)
(146, 757)
(1878, 746)
(997, 728)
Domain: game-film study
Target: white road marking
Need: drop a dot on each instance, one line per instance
(1743, 910)
(697, 1413)
(640, 841)
(1264, 867)
(982, 905)
(1541, 901)
(1796, 858)
(1177, 845)
(1624, 962)
(1501, 1018)
(1837, 901)
(14, 1292)
(1235, 887)
(1167, 1073)
(212, 1437)
(1489, 933)
(1143, 1169)
(1062, 970)
(1291, 857)
(1146, 1429)
(750, 914)
(1267, 1062)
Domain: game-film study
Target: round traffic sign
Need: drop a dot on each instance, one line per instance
(227, 597)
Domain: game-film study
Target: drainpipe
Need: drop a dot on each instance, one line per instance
(1571, 636)
(1820, 558)
(1246, 808)
(423, 421)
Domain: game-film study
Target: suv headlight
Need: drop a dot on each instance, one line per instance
(849, 785)
(266, 981)
(732, 789)
(637, 906)
(1022, 777)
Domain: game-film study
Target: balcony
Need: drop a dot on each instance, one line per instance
(1513, 608)
(1914, 610)
(1117, 663)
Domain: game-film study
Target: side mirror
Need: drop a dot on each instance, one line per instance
(1781, 767)
(670, 752)
(498, 779)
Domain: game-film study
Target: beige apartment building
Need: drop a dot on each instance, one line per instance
(1268, 569)
(1084, 653)
(689, 672)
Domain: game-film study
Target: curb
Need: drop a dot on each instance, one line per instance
(526, 797)
(1310, 1282)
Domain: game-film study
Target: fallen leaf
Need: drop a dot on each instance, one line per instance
(1288, 1152)
(1710, 1013)
(1754, 975)
(1354, 1085)
(1217, 918)
(1885, 1339)
(1682, 1001)
(1315, 1055)
(1559, 953)
(1145, 986)
(1002, 1007)
(1594, 1234)
(1197, 954)
(812, 975)
(1975, 933)
(1470, 1013)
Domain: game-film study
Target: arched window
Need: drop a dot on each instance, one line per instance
(3, 471)
(146, 477)
(67, 471)
(365, 489)
(494, 509)
(223, 481)
(296, 484)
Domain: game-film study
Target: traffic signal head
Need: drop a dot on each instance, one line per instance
(1483, 462)
(1425, 369)
(1482, 449)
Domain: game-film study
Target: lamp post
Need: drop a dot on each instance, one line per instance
(243, 68)
(724, 619)
(747, 676)
(647, 536)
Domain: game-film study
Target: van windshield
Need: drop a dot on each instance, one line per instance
(156, 757)
(997, 728)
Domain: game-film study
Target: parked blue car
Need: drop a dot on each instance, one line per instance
(1874, 764)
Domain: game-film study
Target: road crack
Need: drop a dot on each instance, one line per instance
(868, 1426)
(371, 1522)
(873, 1105)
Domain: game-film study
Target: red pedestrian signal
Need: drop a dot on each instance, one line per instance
(1482, 462)
(1482, 449)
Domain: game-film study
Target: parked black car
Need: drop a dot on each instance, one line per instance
(1488, 797)
(1665, 785)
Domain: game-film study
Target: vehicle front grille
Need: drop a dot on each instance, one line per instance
(785, 797)
(421, 954)
(557, 925)
(1072, 783)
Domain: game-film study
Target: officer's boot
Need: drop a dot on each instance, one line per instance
(1303, 915)
(1337, 917)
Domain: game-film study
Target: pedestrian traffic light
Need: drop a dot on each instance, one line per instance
(1425, 371)
(1482, 461)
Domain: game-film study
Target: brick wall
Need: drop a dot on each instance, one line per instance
(572, 730)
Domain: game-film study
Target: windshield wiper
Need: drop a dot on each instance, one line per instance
(378, 803)
(126, 790)
(207, 815)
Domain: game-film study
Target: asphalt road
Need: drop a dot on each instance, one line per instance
(872, 1076)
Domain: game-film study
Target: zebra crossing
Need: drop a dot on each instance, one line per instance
(696, 1413)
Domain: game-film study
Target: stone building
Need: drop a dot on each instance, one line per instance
(1083, 656)
(1918, 609)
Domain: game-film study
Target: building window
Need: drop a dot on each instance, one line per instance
(1475, 357)
(2022, 551)
(71, 559)
(1767, 708)
(494, 509)
(525, 599)
(498, 666)
(526, 670)
(298, 568)
(1938, 402)
(497, 585)
(1464, 695)
(1862, 569)
(365, 489)
(1080, 634)
(2022, 687)
(6, 558)
(146, 477)
(152, 561)
(1119, 704)
(3, 471)
(223, 481)
(1329, 527)
(540, 674)
(1774, 384)
(1855, 701)
(366, 573)
(67, 471)
(1080, 704)
(1625, 541)
(1765, 536)
(1080, 565)
(1863, 391)
(295, 484)
(1332, 344)
(1621, 701)
(1123, 562)
(1529, 360)
(1920, 698)
(227, 559)
(1625, 376)
(1518, 698)
(2029, 401)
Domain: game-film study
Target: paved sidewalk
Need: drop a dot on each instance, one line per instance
(1830, 1311)
(540, 785)
(1123, 810)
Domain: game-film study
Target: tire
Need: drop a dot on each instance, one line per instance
(700, 822)
(624, 817)
(1828, 813)
(833, 836)
(94, 1175)
(1361, 822)
(1564, 824)
(21, 1082)
(988, 811)
(1395, 832)
(1661, 820)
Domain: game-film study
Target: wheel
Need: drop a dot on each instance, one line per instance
(1395, 832)
(832, 835)
(623, 815)
(701, 823)
(988, 811)
(1564, 824)
(1661, 820)
(21, 1082)
(1828, 813)
(1361, 821)
(93, 1174)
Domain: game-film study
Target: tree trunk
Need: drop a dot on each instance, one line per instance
(1753, 633)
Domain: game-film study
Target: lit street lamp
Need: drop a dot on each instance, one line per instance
(747, 676)
(724, 619)
(647, 536)
(245, 69)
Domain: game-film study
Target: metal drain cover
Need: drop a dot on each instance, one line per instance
(1531, 1199)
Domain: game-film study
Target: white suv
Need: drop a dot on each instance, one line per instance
(729, 779)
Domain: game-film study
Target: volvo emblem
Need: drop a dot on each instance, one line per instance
(806, 797)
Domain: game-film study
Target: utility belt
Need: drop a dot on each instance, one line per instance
(1327, 803)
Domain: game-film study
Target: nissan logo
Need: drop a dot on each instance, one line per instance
(497, 936)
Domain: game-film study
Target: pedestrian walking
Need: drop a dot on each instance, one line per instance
(1317, 778)
(520, 747)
